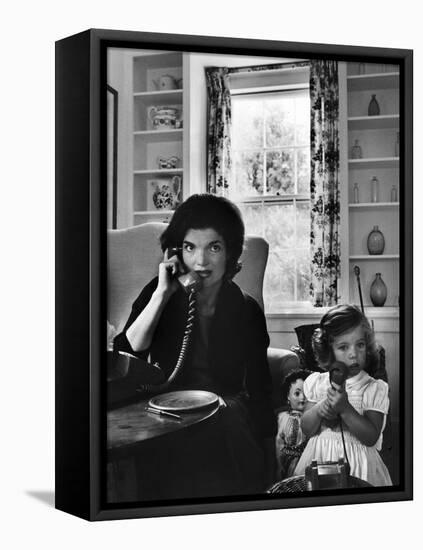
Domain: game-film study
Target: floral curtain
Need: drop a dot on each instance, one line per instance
(218, 134)
(324, 183)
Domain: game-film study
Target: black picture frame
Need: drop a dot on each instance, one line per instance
(81, 150)
(112, 153)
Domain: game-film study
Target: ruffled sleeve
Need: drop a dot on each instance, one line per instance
(375, 397)
(312, 387)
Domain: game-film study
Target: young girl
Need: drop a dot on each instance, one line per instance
(361, 403)
(290, 440)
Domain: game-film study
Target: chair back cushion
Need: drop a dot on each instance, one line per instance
(254, 260)
(133, 258)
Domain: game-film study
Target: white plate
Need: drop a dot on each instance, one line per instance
(185, 400)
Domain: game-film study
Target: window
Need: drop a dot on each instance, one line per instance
(270, 183)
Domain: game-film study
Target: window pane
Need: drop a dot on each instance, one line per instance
(247, 118)
(279, 229)
(303, 275)
(279, 284)
(253, 219)
(280, 121)
(303, 171)
(248, 169)
(302, 119)
(303, 224)
(280, 173)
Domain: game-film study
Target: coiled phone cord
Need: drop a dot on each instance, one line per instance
(343, 443)
(159, 388)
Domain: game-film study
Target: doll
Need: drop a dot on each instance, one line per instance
(290, 440)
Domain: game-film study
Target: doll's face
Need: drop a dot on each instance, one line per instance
(296, 397)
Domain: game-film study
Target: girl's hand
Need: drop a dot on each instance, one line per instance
(169, 268)
(338, 398)
(325, 410)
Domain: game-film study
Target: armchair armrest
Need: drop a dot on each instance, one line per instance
(281, 362)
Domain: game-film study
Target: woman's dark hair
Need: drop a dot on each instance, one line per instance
(290, 379)
(340, 319)
(208, 211)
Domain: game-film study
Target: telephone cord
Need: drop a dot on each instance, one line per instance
(343, 443)
(159, 388)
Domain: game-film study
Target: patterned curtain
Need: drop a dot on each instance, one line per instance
(324, 183)
(219, 125)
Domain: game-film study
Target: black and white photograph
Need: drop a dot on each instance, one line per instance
(210, 300)
(254, 277)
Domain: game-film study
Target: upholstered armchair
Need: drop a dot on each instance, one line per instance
(133, 258)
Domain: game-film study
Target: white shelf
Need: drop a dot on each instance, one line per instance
(373, 205)
(159, 93)
(159, 135)
(373, 81)
(150, 213)
(165, 98)
(378, 162)
(159, 172)
(380, 122)
(375, 257)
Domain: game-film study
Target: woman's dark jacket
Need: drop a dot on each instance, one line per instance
(237, 347)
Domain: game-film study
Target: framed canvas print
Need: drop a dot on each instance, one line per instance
(234, 274)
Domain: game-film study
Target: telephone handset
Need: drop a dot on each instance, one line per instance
(191, 282)
(338, 373)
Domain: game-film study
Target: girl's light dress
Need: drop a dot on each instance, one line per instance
(365, 394)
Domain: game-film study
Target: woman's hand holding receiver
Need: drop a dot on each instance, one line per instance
(169, 269)
(140, 333)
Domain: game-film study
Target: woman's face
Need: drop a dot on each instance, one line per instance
(204, 251)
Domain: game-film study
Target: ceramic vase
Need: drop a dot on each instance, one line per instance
(376, 241)
(394, 194)
(356, 193)
(378, 291)
(375, 189)
(374, 109)
(356, 152)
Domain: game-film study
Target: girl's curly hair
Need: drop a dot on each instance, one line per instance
(340, 319)
(290, 378)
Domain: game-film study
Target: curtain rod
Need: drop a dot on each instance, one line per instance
(274, 67)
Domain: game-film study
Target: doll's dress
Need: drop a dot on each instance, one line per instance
(365, 394)
(290, 442)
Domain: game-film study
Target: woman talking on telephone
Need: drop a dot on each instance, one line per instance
(227, 353)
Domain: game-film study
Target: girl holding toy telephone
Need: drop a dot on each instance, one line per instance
(358, 407)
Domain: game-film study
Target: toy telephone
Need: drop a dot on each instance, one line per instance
(338, 373)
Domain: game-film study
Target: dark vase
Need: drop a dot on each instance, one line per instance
(378, 291)
(374, 109)
(376, 241)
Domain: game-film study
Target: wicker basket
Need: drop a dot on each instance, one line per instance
(297, 484)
